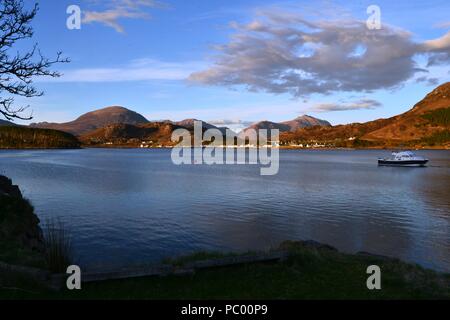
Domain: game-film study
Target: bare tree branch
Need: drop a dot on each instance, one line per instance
(18, 70)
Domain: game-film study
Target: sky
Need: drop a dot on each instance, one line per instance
(235, 62)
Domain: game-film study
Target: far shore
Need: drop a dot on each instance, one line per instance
(442, 148)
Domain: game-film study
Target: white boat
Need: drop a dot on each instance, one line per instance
(403, 158)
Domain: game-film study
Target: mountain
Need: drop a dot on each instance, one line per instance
(267, 125)
(4, 123)
(426, 124)
(189, 124)
(95, 120)
(304, 121)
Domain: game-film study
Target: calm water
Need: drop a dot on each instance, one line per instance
(133, 206)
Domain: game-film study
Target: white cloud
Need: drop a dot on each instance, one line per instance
(120, 9)
(439, 50)
(282, 52)
(442, 43)
(364, 104)
(136, 70)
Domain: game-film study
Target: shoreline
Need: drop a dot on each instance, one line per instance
(279, 148)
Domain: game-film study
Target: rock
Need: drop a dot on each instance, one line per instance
(6, 187)
(19, 225)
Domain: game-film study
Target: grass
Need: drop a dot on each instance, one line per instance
(309, 273)
(58, 244)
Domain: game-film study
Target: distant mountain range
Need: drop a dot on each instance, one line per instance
(91, 121)
(120, 126)
(426, 124)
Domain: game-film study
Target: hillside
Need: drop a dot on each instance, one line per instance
(153, 134)
(95, 120)
(428, 118)
(32, 138)
(338, 136)
(150, 134)
(427, 124)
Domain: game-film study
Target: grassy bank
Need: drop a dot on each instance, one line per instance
(309, 273)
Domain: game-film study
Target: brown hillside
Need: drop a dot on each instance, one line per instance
(340, 132)
(418, 123)
(158, 133)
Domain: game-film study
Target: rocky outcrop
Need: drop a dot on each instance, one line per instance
(7, 188)
(19, 226)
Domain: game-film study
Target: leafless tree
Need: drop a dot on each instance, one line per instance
(17, 70)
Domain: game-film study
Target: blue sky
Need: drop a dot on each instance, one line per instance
(162, 60)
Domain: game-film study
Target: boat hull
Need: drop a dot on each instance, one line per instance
(403, 163)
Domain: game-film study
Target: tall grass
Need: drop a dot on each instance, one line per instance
(58, 243)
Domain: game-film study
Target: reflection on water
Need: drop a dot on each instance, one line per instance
(132, 206)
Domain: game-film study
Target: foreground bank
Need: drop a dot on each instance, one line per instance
(311, 271)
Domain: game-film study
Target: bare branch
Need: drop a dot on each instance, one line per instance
(11, 113)
(17, 71)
